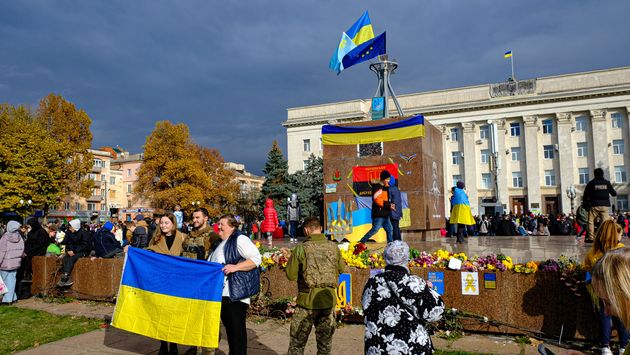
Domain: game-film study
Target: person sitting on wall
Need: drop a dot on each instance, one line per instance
(78, 242)
(105, 243)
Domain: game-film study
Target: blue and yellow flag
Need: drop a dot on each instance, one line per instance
(412, 127)
(170, 298)
(508, 54)
(360, 32)
(367, 50)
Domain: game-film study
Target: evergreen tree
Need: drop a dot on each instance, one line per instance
(308, 185)
(275, 186)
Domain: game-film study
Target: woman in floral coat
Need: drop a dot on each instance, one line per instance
(392, 327)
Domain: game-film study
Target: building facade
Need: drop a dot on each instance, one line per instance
(249, 184)
(518, 146)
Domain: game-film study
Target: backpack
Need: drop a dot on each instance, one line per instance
(321, 264)
(582, 215)
(140, 237)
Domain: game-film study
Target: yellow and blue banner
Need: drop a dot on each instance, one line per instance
(507, 54)
(461, 213)
(412, 127)
(360, 32)
(170, 298)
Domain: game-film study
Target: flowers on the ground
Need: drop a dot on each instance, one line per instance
(357, 255)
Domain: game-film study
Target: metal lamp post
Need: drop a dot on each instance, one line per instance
(571, 193)
(28, 206)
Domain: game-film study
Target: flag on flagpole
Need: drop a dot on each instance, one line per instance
(508, 54)
(360, 32)
(170, 298)
(367, 50)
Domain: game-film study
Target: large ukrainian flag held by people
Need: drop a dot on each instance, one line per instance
(357, 44)
(170, 298)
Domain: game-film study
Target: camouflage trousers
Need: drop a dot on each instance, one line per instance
(301, 324)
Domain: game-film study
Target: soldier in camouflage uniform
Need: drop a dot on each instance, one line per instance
(201, 237)
(316, 265)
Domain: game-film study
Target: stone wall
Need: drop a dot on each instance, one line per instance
(538, 302)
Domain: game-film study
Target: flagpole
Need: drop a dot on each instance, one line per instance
(512, 61)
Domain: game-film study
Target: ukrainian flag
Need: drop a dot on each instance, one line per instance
(170, 298)
(413, 127)
(360, 32)
(461, 213)
(508, 54)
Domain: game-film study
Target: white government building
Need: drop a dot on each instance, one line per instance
(545, 135)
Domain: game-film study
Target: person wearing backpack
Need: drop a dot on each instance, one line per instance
(315, 265)
(140, 237)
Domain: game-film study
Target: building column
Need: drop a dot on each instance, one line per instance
(446, 171)
(566, 152)
(601, 149)
(532, 161)
(502, 175)
(470, 166)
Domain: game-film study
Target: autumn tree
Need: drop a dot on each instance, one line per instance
(276, 185)
(42, 159)
(176, 171)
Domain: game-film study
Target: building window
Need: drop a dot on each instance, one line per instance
(547, 126)
(370, 149)
(515, 129)
(516, 153)
(550, 178)
(517, 179)
(103, 177)
(304, 164)
(616, 121)
(103, 207)
(582, 149)
(484, 132)
(128, 188)
(580, 124)
(455, 157)
(583, 176)
(99, 162)
(548, 151)
(454, 134)
(307, 145)
(617, 146)
(456, 178)
(128, 172)
(66, 206)
(485, 156)
(485, 181)
(622, 203)
(620, 174)
(91, 206)
(77, 206)
(112, 180)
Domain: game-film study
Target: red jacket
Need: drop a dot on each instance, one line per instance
(271, 217)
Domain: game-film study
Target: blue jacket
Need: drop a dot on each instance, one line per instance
(395, 199)
(243, 284)
(105, 244)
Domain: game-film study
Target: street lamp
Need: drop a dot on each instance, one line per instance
(196, 203)
(28, 205)
(571, 193)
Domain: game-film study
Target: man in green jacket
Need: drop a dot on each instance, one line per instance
(316, 265)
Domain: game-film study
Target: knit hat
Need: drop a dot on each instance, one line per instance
(108, 226)
(139, 217)
(13, 226)
(397, 253)
(385, 174)
(76, 224)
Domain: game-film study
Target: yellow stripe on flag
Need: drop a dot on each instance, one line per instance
(178, 320)
(365, 34)
(389, 135)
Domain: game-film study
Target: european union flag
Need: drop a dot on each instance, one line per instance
(365, 51)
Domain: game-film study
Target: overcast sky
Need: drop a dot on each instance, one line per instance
(230, 69)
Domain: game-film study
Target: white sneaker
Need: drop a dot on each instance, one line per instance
(606, 351)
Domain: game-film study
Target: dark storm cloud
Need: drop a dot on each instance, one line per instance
(230, 69)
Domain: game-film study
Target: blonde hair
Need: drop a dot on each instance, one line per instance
(612, 275)
(607, 236)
